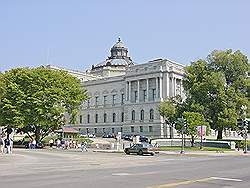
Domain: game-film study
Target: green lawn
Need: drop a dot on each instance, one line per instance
(175, 148)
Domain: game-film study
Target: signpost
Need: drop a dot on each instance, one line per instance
(201, 132)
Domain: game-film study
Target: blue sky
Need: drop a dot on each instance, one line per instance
(78, 33)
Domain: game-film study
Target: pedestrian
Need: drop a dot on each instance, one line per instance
(58, 143)
(7, 145)
(1, 145)
(51, 142)
(84, 146)
(33, 144)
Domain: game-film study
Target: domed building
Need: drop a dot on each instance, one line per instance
(116, 64)
(124, 96)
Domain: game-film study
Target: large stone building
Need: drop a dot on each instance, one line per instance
(124, 96)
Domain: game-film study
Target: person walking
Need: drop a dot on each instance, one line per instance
(1, 144)
(33, 144)
(84, 146)
(51, 143)
(7, 145)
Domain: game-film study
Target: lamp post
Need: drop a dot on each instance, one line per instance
(245, 126)
(183, 124)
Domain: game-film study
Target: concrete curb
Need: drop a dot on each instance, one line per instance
(206, 153)
(109, 151)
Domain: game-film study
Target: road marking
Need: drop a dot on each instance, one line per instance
(226, 179)
(121, 174)
(195, 181)
(181, 183)
(133, 174)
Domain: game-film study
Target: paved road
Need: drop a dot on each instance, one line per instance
(59, 169)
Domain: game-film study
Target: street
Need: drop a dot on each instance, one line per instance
(59, 169)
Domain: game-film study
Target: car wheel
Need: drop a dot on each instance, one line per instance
(127, 152)
(140, 152)
(152, 154)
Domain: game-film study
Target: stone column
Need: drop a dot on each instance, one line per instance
(129, 90)
(174, 86)
(160, 88)
(138, 91)
(126, 89)
(156, 88)
(167, 82)
(147, 99)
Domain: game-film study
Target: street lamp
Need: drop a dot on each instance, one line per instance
(183, 124)
(244, 126)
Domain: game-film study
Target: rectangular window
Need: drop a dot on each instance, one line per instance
(136, 96)
(88, 118)
(113, 130)
(121, 129)
(96, 101)
(141, 128)
(144, 95)
(95, 130)
(96, 118)
(103, 130)
(132, 129)
(113, 99)
(154, 94)
(150, 128)
(88, 103)
(122, 98)
(104, 100)
(81, 119)
(122, 118)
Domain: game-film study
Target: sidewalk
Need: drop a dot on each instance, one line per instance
(207, 153)
(189, 153)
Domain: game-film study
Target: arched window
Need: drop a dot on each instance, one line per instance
(88, 118)
(122, 118)
(151, 114)
(96, 118)
(114, 117)
(142, 115)
(104, 117)
(133, 115)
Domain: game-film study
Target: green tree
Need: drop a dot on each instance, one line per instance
(167, 110)
(35, 100)
(194, 120)
(218, 87)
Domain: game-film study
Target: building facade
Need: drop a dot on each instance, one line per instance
(125, 97)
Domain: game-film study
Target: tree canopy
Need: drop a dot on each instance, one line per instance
(167, 110)
(217, 88)
(34, 100)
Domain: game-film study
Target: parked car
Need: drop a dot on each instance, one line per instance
(108, 136)
(126, 137)
(143, 148)
(143, 139)
(91, 135)
(25, 144)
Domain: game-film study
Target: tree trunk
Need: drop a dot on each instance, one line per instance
(219, 136)
(37, 134)
(192, 141)
(171, 131)
(166, 128)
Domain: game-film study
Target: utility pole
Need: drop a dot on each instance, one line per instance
(201, 137)
(183, 124)
(245, 134)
